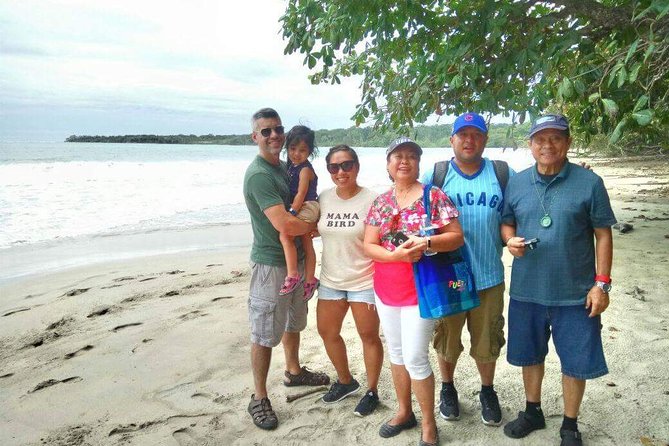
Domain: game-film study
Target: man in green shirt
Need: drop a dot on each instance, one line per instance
(274, 319)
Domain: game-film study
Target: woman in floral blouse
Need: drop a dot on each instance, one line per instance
(407, 335)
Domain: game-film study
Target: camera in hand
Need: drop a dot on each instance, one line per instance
(399, 238)
(531, 243)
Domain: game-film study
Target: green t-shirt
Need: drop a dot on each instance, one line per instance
(266, 185)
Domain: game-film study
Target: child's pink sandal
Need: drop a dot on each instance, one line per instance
(289, 285)
(310, 288)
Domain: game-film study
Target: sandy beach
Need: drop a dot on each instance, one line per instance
(155, 351)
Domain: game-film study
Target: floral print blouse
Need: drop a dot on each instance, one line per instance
(385, 212)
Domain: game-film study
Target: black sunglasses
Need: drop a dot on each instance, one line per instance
(346, 166)
(268, 131)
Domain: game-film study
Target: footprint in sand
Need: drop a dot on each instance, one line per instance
(110, 286)
(213, 264)
(147, 279)
(132, 427)
(100, 312)
(176, 271)
(192, 315)
(53, 382)
(6, 375)
(121, 327)
(16, 310)
(136, 297)
(216, 299)
(60, 323)
(124, 278)
(144, 341)
(76, 292)
(171, 293)
(78, 352)
(42, 339)
(186, 436)
(30, 296)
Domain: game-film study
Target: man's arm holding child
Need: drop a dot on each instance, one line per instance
(285, 223)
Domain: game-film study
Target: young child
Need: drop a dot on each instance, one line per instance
(303, 181)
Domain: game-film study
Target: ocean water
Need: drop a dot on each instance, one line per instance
(57, 193)
(64, 205)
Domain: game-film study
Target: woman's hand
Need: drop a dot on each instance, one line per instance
(409, 251)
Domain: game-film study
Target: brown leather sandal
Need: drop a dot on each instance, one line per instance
(263, 415)
(306, 378)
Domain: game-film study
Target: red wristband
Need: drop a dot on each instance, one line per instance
(602, 278)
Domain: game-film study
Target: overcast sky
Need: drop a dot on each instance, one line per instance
(147, 66)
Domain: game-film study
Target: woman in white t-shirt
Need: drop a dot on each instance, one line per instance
(346, 279)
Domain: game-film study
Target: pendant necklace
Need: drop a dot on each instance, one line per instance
(403, 195)
(546, 220)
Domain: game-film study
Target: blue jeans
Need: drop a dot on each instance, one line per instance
(577, 338)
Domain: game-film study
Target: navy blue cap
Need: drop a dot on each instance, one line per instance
(403, 141)
(557, 122)
(469, 120)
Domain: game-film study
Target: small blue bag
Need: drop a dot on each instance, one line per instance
(444, 281)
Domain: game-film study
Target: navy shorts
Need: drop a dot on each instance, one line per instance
(577, 338)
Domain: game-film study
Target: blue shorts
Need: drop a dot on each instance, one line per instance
(577, 338)
(362, 296)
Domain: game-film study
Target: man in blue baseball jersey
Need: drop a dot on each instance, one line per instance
(559, 284)
(473, 184)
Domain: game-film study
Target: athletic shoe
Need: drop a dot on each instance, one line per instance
(339, 391)
(367, 404)
(524, 425)
(449, 408)
(570, 438)
(491, 414)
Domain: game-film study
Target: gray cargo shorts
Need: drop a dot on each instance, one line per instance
(270, 315)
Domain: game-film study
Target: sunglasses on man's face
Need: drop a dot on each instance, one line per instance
(346, 166)
(268, 131)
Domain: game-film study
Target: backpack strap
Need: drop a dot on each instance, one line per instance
(501, 172)
(439, 173)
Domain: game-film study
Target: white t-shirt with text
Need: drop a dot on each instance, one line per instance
(344, 265)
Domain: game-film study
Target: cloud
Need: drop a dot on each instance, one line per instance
(201, 58)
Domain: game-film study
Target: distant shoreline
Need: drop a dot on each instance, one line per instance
(499, 135)
(232, 140)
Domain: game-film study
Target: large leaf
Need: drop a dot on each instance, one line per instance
(610, 107)
(643, 117)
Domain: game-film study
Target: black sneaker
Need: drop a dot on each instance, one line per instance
(449, 408)
(570, 438)
(339, 391)
(367, 404)
(491, 414)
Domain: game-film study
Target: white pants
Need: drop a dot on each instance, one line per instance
(408, 338)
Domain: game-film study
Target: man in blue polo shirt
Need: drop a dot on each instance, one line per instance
(559, 282)
(472, 183)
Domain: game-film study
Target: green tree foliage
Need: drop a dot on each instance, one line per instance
(604, 63)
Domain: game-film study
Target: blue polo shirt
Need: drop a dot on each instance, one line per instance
(561, 269)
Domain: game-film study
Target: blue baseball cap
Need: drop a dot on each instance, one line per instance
(469, 120)
(557, 122)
